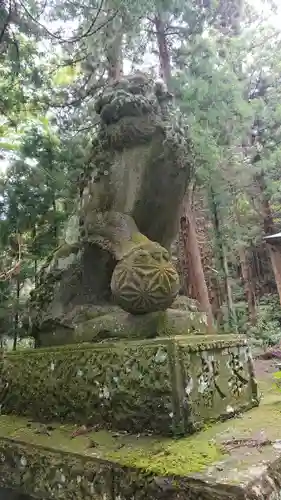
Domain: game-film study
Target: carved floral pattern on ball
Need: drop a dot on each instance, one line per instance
(145, 280)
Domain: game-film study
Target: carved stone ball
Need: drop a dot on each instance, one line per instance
(145, 280)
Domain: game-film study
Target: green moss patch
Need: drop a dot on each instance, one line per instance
(166, 386)
(106, 385)
(180, 457)
(196, 453)
(154, 455)
(54, 458)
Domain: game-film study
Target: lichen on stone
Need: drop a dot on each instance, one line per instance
(144, 280)
(109, 384)
(186, 463)
(133, 185)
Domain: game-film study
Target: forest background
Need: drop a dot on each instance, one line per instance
(222, 61)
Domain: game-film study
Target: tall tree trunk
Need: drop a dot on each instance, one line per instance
(163, 49)
(34, 254)
(248, 284)
(114, 55)
(275, 257)
(247, 274)
(183, 267)
(203, 226)
(16, 317)
(268, 223)
(232, 320)
(52, 187)
(55, 221)
(194, 280)
(268, 226)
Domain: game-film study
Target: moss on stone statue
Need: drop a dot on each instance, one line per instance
(65, 250)
(119, 324)
(140, 168)
(93, 323)
(166, 386)
(52, 471)
(153, 454)
(144, 280)
(44, 293)
(50, 275)
(47, 461)
(106, 385)
(131, 131)
(161, 456)
(80, 314)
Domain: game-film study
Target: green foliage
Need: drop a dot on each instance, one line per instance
(225, 85)
(36, 198)
(268, 320)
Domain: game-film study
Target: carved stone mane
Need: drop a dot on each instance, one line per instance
(128, 210)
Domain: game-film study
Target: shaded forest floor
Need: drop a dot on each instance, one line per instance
(264, 370)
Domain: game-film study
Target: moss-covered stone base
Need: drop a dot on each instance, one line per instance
(123, 325)
(49, 462)
(164, 385)
(97, 323)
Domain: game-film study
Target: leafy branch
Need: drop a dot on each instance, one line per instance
(15, 269)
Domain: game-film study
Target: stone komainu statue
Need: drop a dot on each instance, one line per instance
(116, 251)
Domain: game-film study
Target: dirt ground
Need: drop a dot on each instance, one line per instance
(265, 368)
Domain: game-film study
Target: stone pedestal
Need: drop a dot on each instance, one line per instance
(99, 421)
(168, 386)
(239, 459)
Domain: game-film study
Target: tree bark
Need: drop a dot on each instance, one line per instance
(16, 317)
(55, 221)
(275, 256)
(183, 266)
(232, 320)
(33, 249)
(248, 284)
(164, 54)
(268, 226)
(114, 55)
(247, 273)
(196, 280)
(268, 223)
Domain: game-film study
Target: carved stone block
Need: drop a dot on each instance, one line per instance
(168, 386)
